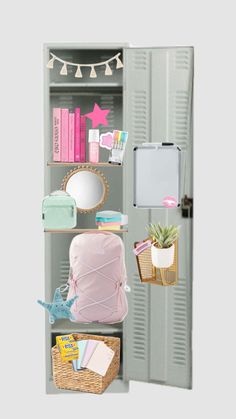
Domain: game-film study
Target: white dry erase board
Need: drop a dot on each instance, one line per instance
(156, 174)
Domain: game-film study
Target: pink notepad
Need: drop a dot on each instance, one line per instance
(91, 345)
(101, 359)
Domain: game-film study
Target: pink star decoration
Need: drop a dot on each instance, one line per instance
(98, 116)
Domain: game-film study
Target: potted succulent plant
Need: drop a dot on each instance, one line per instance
(163, 248)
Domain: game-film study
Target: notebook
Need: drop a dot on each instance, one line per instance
(101, 359)
(91, 345)
(82, 347)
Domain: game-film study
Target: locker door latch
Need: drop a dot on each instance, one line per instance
(187, 207)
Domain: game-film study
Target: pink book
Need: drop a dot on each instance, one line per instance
(71, 137)
(56, 133)
(77, 135)
(83, 138)
(65, 135)
(104, 224)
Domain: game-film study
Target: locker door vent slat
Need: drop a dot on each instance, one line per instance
(139, 116)
(179, 321)
(181, 125)
(182, 60)
(140, 60)
(140, 328)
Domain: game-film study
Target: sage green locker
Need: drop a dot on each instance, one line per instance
(151, 98)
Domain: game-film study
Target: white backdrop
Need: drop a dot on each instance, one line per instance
(210, 27)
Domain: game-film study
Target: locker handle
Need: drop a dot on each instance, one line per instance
(187, 207)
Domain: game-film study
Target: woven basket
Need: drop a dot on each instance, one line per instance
(151, 274)
(85, 380)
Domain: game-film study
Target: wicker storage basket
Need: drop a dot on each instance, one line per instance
(85, 380)
(151, 274)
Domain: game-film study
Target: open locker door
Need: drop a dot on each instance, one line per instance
(158, 85)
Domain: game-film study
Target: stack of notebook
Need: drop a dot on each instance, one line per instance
(69, 135)
(110, 220)
(94, 355)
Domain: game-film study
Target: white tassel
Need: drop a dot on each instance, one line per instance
(78, 73)
(108, 71)
(63, 71)
(119, 64)
(51, 63)
(93, 73)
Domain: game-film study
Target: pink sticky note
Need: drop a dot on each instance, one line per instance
(106, 140)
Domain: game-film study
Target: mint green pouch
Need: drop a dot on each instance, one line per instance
(59, 211)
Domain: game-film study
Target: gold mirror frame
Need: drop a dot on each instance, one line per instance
(102, 179)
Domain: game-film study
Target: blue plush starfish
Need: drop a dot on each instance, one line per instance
(59, 309)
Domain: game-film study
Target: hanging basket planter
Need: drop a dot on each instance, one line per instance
(157, 275)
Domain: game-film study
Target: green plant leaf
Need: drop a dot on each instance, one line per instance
(163, 236)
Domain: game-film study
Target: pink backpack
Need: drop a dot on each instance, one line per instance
(98, 277)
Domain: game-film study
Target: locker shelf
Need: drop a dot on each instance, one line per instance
(98, 85)
(83, 230)
(74, 164)
(65, 326)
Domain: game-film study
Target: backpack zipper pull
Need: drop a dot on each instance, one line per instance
(127, 288)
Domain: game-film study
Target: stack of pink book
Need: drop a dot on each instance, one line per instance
(69, 135)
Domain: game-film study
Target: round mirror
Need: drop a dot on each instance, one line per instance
(88, 187)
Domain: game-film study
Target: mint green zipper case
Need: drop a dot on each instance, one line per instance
(59, 211)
